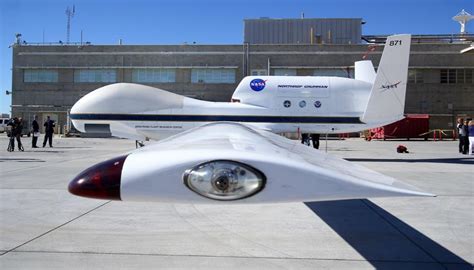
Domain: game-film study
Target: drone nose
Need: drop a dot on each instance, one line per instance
(101, 181)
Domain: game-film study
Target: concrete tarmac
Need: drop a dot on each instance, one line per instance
(42, 226)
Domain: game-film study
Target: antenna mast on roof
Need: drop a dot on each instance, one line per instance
(69, 14)
(463, 17)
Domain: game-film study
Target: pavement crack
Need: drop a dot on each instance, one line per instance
(55, 228)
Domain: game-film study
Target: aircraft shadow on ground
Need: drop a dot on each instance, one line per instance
(43, 151)
(465, 160)
(21, 160)
(342, 149)
(73, 147)
(382, 239)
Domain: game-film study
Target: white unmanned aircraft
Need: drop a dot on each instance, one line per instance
(227, 151)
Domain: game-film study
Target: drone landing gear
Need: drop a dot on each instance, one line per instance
(139, 144)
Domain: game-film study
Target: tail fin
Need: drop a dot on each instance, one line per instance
(364, 71)
(387, 98)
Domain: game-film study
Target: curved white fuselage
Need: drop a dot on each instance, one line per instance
(286, 104)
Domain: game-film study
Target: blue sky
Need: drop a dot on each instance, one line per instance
(204, 22)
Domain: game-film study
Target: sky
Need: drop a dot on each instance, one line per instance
(202, 21)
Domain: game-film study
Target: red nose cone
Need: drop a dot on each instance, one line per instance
(101, 181)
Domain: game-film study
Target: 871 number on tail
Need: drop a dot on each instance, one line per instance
(395, 42)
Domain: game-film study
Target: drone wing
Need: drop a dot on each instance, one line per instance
(231, 162)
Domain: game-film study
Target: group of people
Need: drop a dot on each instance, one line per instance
(16, 131)
(466, 136)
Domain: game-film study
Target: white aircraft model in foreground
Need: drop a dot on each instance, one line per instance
(224, 151)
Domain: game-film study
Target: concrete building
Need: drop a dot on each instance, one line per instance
(49, 79)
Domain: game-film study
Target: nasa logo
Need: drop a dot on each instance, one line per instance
(317, 104)
(389, 86)
(257, 84)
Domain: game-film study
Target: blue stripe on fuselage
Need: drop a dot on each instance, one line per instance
(218, 118)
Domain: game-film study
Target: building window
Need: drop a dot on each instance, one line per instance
(155, 75)
(330, 72)
(451, 76)
(415, 76)
(284, 72)
(95, 75)
(464, 75)
(469, 75)
(258, 72)
(443, 76)
(211, 75)
(40, 76)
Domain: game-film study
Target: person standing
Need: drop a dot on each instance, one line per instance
(461, 134)
(305, 138)
(19, 131)
(17, 128)
(471, 137)
(48, 130)
(315, 140)
(35, 132)
(15, 133)
(11, 134)
(466, 138)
